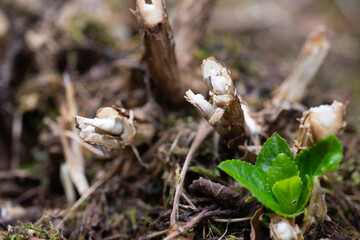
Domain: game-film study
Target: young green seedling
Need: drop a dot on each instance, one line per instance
(281, 181)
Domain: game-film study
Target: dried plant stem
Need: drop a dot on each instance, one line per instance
(190, 23)
(67, 183)
(75, 168)
(159, 51)
(203, 130)
(187, 227)
(205, 214)
(232, 220)
(16, 137)
(229, 117)
(156, 234)
(311, 57)
(72, 149)
(90, 190)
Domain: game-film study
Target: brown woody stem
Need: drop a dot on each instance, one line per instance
(159, 51)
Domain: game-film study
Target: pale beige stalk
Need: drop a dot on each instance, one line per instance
(308, 63)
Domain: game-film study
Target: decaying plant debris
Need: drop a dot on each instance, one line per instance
(111, 128)
(98, 139)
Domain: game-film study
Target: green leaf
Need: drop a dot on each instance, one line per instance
(305, 195)
(253, 178)
(282, 167)
(324, 156)
(287, 193)
(271, 149)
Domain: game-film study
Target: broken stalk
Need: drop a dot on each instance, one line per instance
(230, 118)
(311, 57)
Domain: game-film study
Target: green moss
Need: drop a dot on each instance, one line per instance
(89, 27)
(24, 231)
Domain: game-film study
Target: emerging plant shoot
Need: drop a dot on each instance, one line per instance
(112, 128)
(230, 118)
(280, 181)
(320, 122)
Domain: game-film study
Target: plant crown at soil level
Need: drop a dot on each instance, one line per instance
(281, 181)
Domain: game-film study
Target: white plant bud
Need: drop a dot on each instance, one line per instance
(218, 81)
(152, 13)
(199, 102)
(282, 229)
(320, 122)
(226, 114)
(110, 128)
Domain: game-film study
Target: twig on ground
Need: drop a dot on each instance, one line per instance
(231, 220)
(138, 157)
(173, 145)
(203, 130)
(226, 229)
(89, 191)
(187, 227)
(187, 199)
(205, 214)
(156, 234)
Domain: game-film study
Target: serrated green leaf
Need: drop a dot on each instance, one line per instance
(305, 195)
(282, 167)
(271, 149)
(324, 156)
(287, 193)
(253, 178)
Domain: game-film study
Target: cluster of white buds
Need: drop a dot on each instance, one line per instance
(112, 127)
(221, 90)
(282, 229)
(224, 111)
(320, 122)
